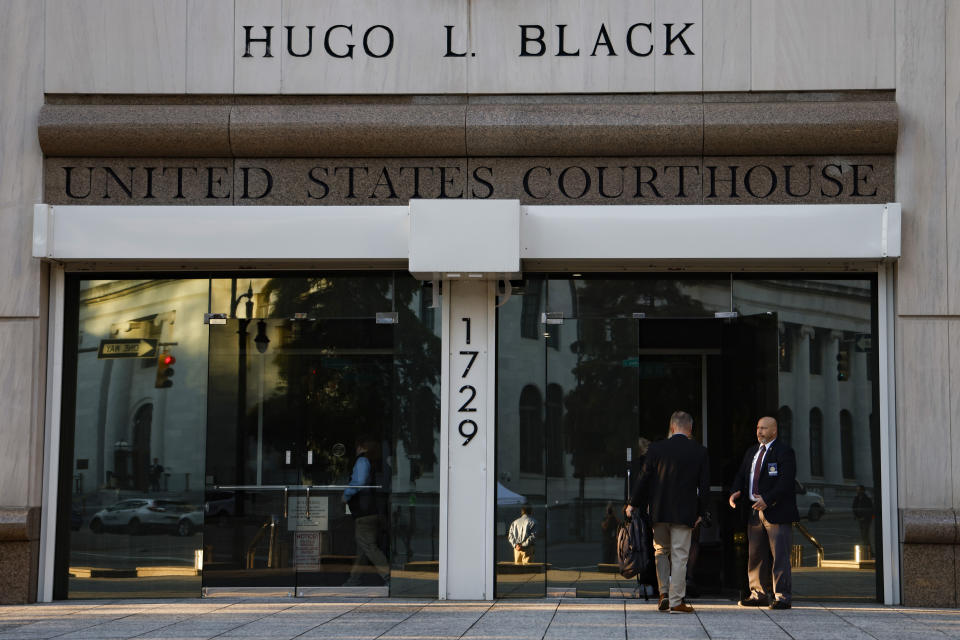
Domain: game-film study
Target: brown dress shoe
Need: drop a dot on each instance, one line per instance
(683, 607)
(664, 604)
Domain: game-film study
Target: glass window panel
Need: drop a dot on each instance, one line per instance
(137, 459)
(826, 401)
(298, 376)
(599, 296)
(521, 356)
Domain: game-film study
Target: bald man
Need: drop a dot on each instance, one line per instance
(765, 483)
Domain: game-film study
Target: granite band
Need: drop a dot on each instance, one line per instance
(359, 130)
(135, 131)
(798, 128)
(584, 130)
(472, 130)
(19, 524)
(929, 526)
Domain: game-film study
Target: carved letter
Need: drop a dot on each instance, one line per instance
(250, 40)
(309, 42)
(70, 193)
(630, 48)
(450, 52)
(524, 39)
(673, 38)
(326, 41)
(603, 39)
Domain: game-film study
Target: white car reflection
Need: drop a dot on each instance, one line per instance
(190, 522)
(138, 515)
(809, 503)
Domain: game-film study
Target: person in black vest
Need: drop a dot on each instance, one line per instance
(674, 484)
(361, 497)
(766, 477)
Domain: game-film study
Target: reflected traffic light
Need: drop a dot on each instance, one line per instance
(165, 370)
(843, 364)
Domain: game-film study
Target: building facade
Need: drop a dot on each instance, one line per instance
(311, 297)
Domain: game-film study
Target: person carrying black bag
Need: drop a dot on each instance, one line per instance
(674, 484)
(360, 497)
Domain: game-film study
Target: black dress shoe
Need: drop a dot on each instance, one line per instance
(780, 604)
(754, 602)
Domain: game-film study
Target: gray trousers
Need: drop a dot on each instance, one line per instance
(768, 566)
(366, 529)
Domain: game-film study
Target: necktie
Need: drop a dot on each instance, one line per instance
(756, 471)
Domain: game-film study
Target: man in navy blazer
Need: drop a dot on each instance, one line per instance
(766, 478)
(675, 484)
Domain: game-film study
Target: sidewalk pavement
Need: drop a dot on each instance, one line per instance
(547, 619)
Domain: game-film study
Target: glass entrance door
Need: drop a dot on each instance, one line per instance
(575, 447)
(322, 421)
(293, 403)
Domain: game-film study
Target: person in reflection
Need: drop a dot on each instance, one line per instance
(156, 473)
(636, 466)
(674, 485)
(609, 527)
(522, 533)
(360, 497)
(767, 477)
(863, 512)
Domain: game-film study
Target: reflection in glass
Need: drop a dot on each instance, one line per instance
(220, 452)
(331, 396)
(521, 430)
(136, 461)
(828, 402)
(617, 355)
(677, 297)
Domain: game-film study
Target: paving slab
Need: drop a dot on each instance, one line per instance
(397, 619)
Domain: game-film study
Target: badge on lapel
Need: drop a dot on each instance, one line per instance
(772, 469)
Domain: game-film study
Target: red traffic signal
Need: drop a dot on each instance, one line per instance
(164, 370)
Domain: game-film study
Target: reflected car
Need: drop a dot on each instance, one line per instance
(137, 515)
(220, 505)
(190, 522)
(809, 503)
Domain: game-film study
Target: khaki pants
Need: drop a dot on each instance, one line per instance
(671, 547)
(524, 555)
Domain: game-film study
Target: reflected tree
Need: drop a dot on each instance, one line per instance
(341, 375)
(602, 411)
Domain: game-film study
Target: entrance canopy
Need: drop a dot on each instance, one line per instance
(466, 238)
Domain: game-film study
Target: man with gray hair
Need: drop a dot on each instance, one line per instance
(674, 484)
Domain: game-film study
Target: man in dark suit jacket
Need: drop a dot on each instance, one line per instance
(767, 477)
(674, 484)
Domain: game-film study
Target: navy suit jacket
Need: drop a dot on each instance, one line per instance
(777, 483)
(675, 481)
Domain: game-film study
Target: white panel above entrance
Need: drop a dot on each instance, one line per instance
(450, 238)
(219, 233)
(711, 232)
(483, 238)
